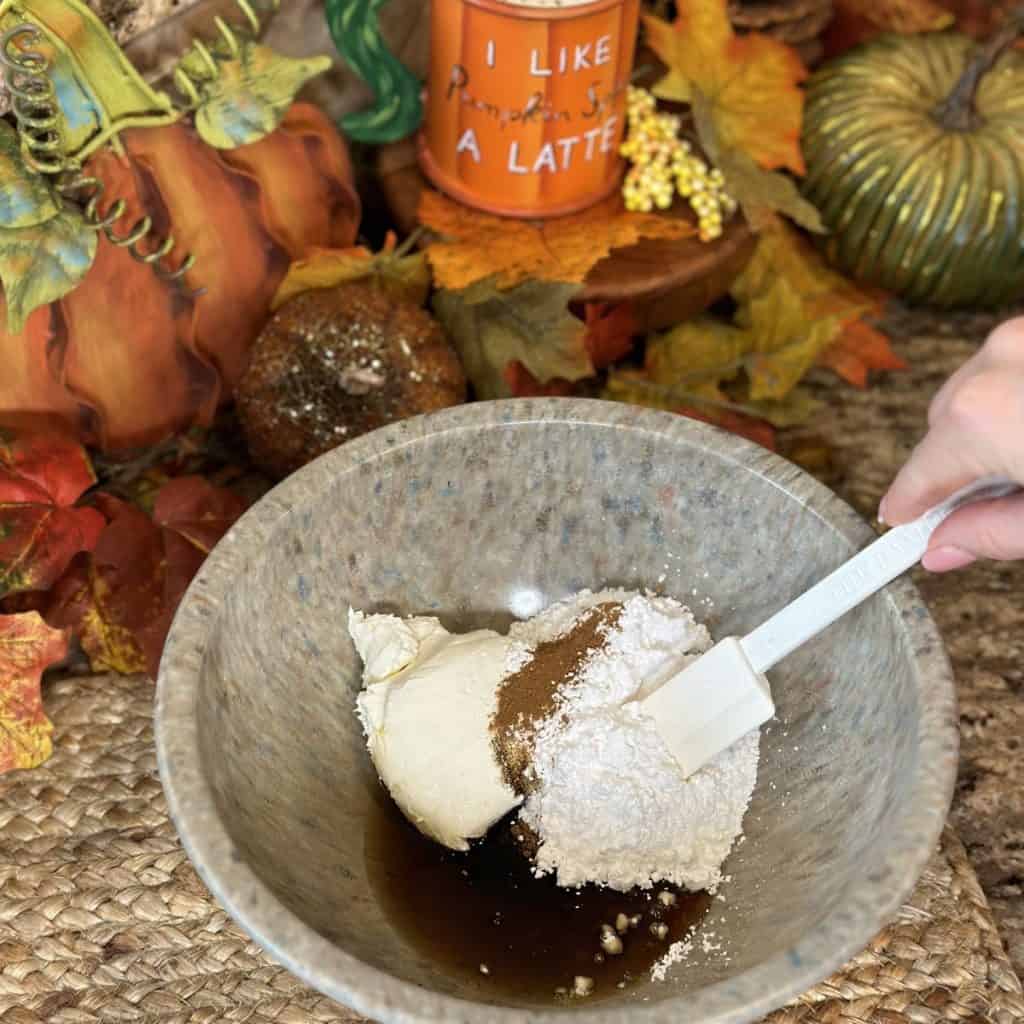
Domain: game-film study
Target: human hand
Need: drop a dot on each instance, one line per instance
(975, 429)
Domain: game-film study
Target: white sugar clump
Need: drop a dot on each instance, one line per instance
(608, 802)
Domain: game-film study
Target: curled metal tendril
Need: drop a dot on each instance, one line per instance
(231, 37)
(26, 75)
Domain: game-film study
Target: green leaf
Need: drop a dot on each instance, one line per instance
(243, 98)
(529, 323)
(42, 263)
(760, 193)
(25, 196)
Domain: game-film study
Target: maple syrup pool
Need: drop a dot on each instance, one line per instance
(484, 918)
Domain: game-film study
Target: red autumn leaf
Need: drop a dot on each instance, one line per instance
(197, 510)
(122, 598)
(610, 332)
(759, 431)
(41, 477)
(523, 384)
(858, 350)
(43, 467)
(28, 646)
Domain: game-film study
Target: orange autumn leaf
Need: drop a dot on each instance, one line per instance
(752, 82)
(759, 431)
(478, 245)
(858, 350)
(28, 646)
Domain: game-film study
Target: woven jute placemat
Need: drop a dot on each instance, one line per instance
(102, 918)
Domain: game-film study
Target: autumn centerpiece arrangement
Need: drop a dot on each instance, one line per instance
(688, 206)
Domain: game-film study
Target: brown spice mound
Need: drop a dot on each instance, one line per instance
(529, 696)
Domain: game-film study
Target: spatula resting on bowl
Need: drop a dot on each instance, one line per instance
(721, 696)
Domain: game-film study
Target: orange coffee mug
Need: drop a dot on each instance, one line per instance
(526, 103)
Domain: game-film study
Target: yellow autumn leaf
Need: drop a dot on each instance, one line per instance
(477, 245)
(785, 341)
(28, 646)
(698, 356)
(751, 82)
(783, 253)
(402, 275)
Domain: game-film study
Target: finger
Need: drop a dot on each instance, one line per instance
(940, 464)
(939, 408)
(946, 559)
(989, 529)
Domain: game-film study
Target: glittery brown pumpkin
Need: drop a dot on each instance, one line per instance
(335, 363)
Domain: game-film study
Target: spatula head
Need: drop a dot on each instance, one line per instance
(712, 703)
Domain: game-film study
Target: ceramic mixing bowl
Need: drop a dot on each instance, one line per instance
(487, 512)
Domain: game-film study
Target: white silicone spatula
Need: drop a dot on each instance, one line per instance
(721, 696)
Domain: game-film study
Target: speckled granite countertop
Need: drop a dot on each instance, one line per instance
(980, 610)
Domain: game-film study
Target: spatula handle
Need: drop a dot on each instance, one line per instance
(864, 574)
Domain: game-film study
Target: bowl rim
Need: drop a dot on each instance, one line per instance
(746, 997)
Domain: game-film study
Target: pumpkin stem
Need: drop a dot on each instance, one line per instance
(957, 112)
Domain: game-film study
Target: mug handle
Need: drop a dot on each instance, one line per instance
(397, 110)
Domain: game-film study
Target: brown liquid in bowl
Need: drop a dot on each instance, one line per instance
(485, 909)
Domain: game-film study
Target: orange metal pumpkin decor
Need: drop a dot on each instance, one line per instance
(526, 102)
(139, 253)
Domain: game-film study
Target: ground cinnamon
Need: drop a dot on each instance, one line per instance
(529, 696)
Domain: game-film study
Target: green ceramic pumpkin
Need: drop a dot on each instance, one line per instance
(915, 158)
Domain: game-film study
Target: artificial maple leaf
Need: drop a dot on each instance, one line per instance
(120, 600)
(610, 332)
(401, 274)
(709, 365)
(759, 431)
(783, 253)
(529, 323)
(41, 476)
(784, 341)
(194, 508)
(477, 245)
(859, 349)
(752, 82)
(856, 21)
(28, 646)
(761, 194)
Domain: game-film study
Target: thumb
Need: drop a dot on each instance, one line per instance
(989, 529)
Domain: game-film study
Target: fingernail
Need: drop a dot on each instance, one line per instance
(882, 510)
(946, 558)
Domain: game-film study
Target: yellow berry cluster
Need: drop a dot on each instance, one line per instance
(663, 164)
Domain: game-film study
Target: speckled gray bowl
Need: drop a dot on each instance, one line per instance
(489, 511)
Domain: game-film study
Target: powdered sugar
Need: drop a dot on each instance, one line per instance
(610, 805)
